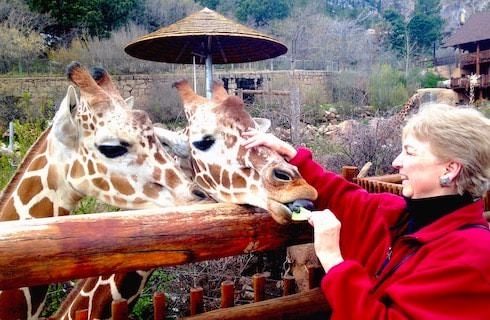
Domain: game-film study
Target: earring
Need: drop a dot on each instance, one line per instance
(444, 181)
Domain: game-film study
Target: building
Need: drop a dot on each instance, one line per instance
(472, 45)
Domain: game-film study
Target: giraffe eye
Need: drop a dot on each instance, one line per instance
(111, 151)
(205, 143)
(281, 175)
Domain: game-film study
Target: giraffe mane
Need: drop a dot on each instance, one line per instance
(17, 177)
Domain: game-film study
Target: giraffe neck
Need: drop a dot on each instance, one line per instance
(38, 189)
(34, 191)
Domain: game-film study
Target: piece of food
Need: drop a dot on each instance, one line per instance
(300, 214)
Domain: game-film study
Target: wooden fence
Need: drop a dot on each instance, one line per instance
(129, 240)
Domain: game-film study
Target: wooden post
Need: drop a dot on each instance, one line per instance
(197, 300)
(288, 286)
(81, 314)
(259, 287)
(314, 276)
(309, 304)
(119, 309)
(159, 306)
(227, 294)
(349, 172)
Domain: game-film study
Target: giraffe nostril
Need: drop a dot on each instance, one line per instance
(282, 175)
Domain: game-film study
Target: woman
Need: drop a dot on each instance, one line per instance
(425, 255)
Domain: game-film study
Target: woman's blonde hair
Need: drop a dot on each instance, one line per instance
(460, 134)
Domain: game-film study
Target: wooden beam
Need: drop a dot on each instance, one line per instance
(48, 250)
(305, 305)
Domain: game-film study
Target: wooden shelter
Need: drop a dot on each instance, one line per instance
(472, 42)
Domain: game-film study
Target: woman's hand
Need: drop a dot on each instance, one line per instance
(256, 138)
(326, 238)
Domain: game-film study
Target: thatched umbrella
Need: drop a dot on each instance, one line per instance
(209, 37)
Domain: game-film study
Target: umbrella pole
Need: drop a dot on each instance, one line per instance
(194, 72)
(209, 75)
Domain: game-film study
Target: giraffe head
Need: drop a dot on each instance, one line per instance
(226, 170)
(112, 151)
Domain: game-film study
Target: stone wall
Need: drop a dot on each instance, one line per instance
(155, 89)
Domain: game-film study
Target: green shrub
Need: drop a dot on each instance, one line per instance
(387, 88)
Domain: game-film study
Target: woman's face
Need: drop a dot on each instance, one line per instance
(420, 169)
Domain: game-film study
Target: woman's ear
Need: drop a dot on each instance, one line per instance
(453, 168)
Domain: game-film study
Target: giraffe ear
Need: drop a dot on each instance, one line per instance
(64, 127)
(262, 124)
(130, 102)
(219, 92)
(176, 141)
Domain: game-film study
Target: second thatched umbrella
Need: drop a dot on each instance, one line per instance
(205, 37)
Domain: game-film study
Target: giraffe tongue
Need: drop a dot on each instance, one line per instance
(301, 203)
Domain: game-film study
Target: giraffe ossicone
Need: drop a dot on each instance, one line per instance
(226, 170)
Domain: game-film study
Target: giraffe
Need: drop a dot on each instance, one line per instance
(223, 168)
(96, 146)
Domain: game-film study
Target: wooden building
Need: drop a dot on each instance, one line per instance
(472, 44)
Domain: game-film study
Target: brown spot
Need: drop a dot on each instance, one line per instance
(9, 299)
(84, 117)
(151, 190)
(122, 185)
(28, 188)
(225, 180)
(52, 177)
(138, 201)
(89, 284)
(209, 181)
(42, 209)
(43, 147)
(77, 170)
(120, 202)
(253, 188)
(90, 166)
(202, 183)
(37, 295)
(238, 181)
(87, 133)
(128, 283)
(142, 144)
(157, 174)
(101, 168)
(215, 172)
(101, 183)
(141, 159)
(85, 126)
(9, 213)
(101, 123)
(63, 212)
(160, 158)
(92, 127)
(230, 140)
(172, 179)
(38, 163)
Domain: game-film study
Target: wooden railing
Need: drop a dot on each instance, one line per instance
(81, 246)
(470, 58)
(392, 184)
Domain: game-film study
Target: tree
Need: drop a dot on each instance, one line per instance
(261, 12)
(95, 17)
(416, 35)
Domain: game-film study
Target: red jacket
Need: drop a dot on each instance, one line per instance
(442, 271)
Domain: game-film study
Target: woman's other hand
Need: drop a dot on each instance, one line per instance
(256, 138)
(326, 238)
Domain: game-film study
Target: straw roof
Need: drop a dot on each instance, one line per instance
(202, 32)
(477, 28)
